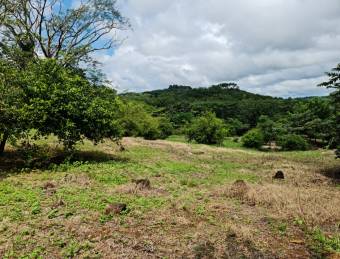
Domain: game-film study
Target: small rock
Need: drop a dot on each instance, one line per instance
(115, 208)
(143, 183)
(279, 175)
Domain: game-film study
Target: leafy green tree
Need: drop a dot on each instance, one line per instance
(11, 102)
(45, 88)
(137, 120)
(165, 127)
(253, 138)
(267, 126)
(334, 83)
(65, 104)
(207, 129)
(313, 119)
(237, 128)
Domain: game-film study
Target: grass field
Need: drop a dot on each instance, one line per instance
(193, 208)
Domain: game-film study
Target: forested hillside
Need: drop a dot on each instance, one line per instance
(183, 103)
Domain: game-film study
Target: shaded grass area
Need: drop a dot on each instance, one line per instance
(58, 210)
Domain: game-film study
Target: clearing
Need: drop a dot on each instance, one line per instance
(182, 201)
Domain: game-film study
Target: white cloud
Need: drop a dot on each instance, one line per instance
(276, 47)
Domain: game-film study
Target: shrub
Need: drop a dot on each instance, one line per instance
(137, 121)
(293, 142)
(165, 127)
(236, 127)
(207, 129)
(150, 128)
(253, 139)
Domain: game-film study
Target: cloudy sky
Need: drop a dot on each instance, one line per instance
(272, 47)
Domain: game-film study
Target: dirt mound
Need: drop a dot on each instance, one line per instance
(142, 184)
(115, 208)
(279, 175)
(239, 189)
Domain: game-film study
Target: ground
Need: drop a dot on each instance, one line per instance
(196, 201)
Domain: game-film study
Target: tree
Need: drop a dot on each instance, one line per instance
(253, 138)
(267, 126)
(137, 120)
(44, 85)
(237, 128)
(292, 142)
(334, 83)
(63, 103)
(207, 129)
(11, 101)
(51, 29)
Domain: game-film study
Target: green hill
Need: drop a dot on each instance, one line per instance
(228, 101)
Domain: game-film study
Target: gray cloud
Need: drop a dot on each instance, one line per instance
(275, 47)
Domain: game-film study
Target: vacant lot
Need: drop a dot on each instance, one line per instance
(182, 201)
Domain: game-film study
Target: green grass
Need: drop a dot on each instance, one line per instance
(177, 138)
(186, 181)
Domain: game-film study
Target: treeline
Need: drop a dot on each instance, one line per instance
(207, 115)
(182, 103)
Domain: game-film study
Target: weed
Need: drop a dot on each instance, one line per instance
(323, 244)
(36, 208)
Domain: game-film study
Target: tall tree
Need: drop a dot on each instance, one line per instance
(52, 29)
(334, 83)
(44, 81)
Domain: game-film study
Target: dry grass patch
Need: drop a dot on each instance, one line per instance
(315, 206)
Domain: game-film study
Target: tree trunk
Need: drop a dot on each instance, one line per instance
(3, 142)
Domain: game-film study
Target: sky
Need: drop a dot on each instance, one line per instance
(272, 47)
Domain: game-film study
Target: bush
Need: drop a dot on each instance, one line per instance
(236, 127)
(137, 121)
(150, 128)
(253, 139)
(165, 127)
(207, 129)
(293, 142)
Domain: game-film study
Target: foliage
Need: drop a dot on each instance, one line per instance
(55, 100)
(293, 142)
(44, 85)
(182, 103)
(253, 139)
(55, 30)
(313, 119)
(323, 244)
(207, 129)
(165, 127)
(137, 120)
(267, 127)
(11, 100)
(237, 128)
(62, 103)
(334, 83)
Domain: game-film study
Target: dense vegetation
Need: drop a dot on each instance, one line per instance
(305, 121)
(227, 101)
